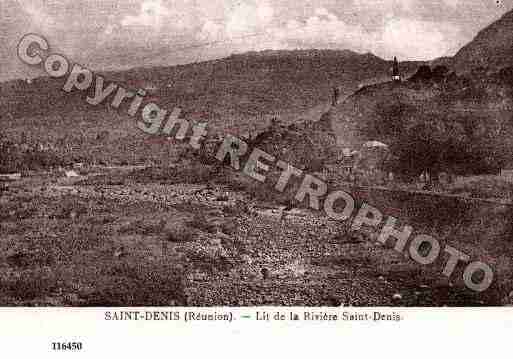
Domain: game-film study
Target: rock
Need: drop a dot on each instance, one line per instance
(228, 227)
(51, 302)
(72, 299)
(197, 276)
(246, 259)
(265, 273)
(223, 198)
(23, 259)
(508, 300)
(397, 296)
(10, 177)
(71, 174)
(19, 259)
(73, 215)
(334, 302)
(120, 252)
(178, 233)
(215, 241)
(201, 222)
(222, 236)
(443, 282)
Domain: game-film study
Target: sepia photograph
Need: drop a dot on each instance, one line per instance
(304, 172)
(230, 154)
(274, 153)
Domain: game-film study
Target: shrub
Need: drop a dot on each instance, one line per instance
(179, 233)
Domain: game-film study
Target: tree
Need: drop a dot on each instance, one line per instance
(423, 74)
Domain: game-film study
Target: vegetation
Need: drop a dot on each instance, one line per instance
(434, 123)
(23, 157)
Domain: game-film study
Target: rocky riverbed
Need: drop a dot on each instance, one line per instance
(85, 241)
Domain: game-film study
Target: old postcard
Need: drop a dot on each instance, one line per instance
(179, 169)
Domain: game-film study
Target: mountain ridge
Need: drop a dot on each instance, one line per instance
(491, 48)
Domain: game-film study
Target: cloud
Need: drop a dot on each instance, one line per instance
(40, 19)
(387, 6)
(151, 14)
(156, 18)
(109, 33)
(385, 27)
(414, 39)
(248, 18)
(323, 29)
(403, 37)
(452, 3)
(244, 19)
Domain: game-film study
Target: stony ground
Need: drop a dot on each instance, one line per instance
(88, 241)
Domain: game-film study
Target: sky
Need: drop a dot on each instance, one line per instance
(117, 34)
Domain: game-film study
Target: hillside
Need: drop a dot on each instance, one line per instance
(491, 49)
(238, 94)
(452, 116)
(227, 92)
(456, 124)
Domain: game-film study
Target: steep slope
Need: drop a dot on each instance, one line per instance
(459, 124)
(491, 49)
